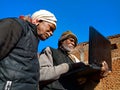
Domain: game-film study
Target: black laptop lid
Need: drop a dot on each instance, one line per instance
(99, 48)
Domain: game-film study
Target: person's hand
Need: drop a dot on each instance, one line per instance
(105, 69)
(101, 74)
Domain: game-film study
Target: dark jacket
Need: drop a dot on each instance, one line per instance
(18, 55)
(68, 82)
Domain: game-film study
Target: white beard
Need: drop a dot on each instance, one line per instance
(67, 48)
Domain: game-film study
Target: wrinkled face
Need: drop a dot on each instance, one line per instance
(68, 44)
(45, 30)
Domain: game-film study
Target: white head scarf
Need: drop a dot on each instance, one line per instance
(45, 16)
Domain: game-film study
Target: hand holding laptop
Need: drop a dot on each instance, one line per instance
(105, 69)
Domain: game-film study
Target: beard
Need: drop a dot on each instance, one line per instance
(42, 37)
(67, 47)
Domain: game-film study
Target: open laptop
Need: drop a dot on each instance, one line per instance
(99, 50)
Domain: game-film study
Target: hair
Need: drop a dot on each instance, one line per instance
(26, 18)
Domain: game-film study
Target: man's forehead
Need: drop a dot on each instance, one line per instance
(71, 38)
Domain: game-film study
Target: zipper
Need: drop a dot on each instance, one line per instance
(8, 85)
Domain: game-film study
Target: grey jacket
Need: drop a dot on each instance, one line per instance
(47, 70)
(55, 64)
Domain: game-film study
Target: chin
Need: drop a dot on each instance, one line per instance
(68, 49)
(43, 38)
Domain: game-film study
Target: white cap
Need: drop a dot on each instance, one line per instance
(45, 16)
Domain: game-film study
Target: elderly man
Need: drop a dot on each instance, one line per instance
(56, 63)
(19, 66)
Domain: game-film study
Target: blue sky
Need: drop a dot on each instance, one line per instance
(74, 15)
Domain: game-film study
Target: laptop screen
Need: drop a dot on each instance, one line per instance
(99, 48)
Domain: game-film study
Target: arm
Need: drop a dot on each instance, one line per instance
(47, 70)
(10, 32)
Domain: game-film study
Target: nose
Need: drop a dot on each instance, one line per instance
(51, 33)
(73, 43)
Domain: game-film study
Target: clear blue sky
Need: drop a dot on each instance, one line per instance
(74, 15)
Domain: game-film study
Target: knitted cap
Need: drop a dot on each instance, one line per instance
(66, 35)
(45, 16)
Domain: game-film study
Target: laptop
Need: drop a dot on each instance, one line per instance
(99, 48)
(99, 51)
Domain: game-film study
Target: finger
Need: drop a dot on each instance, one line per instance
(106, 73)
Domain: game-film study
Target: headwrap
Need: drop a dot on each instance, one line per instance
(45, 16)
(66, 35)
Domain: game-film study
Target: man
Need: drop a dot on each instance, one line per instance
(55, 64)
(19, 66)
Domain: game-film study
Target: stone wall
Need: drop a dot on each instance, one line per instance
(112, 81)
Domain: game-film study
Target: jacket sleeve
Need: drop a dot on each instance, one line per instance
(10, 32)
(47, 70)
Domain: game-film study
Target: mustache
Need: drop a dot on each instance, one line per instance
(47, 35)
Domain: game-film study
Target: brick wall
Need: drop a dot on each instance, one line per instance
(112, 81)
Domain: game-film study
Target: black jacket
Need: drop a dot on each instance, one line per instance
(18, 55)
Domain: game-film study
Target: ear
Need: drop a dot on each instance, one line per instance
(36, 22)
